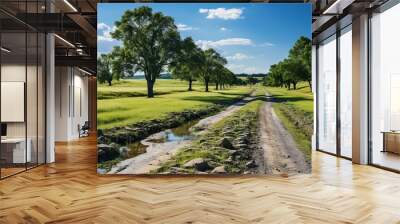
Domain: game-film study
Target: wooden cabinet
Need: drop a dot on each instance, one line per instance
(391, 142)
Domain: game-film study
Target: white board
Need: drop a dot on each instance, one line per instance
(12, 101)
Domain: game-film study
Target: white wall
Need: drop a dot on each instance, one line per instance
(314, 91)
(71, 102)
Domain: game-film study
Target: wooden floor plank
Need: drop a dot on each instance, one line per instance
(70, 191)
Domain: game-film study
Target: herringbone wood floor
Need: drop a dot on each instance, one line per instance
(70, 191)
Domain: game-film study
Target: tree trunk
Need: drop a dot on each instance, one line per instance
(109, 82)
(216, 86)
(309, 83)
(294, 85)
(206, 82)
(190, 85)
(150, 85)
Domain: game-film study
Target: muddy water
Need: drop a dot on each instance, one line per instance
(176, 134)
(143, 155)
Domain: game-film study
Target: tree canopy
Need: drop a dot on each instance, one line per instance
(104, 73)
(295, 68)
(151, 42)
(187, 64)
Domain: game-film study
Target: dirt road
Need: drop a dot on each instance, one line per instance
(281, 155)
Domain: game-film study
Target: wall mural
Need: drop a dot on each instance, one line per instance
(204, 88)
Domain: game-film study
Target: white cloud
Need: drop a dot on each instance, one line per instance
(234, 67)
(238, 57)
(239, 68)
(104, 32)
(184, 27)
(205, 44)
(222, 13)
(250, 70)
(223, 29)
(267, 44)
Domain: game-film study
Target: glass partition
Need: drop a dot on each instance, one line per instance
(346, 92)
(22, 95)
(14, 153)
(385, 89)
(327, 95)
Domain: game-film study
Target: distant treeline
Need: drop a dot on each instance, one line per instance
(293, 69)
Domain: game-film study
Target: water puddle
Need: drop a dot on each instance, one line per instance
(177, 134)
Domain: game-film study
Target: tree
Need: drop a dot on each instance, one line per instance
(104, 73)
(119, 66)
(151, 42)
(291, 68)
(295, 68)
(210, 60)
(275, 77)
(301, 52)
(188, 63)
(218, 75)
(251, 80)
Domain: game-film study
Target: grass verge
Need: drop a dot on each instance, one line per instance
(295, 109)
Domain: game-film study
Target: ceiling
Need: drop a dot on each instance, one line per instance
(73, 21)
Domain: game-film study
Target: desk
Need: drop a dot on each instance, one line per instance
(391, 141)
(13, 150)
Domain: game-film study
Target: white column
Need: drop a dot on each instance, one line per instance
(50, 99)
(314, 91)
(360, 90)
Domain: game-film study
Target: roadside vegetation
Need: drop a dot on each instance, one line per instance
(295, 109)
(228, 147)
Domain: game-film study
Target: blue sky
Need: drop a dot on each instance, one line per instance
(252, 36)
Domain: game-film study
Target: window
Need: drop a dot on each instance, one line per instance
(327, 95)
(385, 89)
(346, 92)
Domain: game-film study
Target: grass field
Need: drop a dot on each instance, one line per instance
(301, 98)
(295, 109)
(125, 102)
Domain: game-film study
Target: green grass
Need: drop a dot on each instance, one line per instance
(125, 102)
(301, 99)
(295, 109)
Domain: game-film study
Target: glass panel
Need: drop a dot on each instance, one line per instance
(385, 92)
(31, 98)
(327, 95)
(346, 92)
(41, 99)
(13, 92)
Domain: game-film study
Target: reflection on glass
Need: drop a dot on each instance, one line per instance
(22, 90)
(385, 89)
(346, 92)
(14, 153)
(327, 95)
